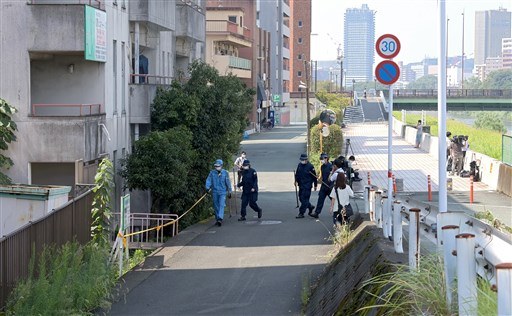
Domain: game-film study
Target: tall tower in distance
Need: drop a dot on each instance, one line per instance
(359, 44)
(491, 27)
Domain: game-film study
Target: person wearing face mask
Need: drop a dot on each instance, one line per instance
(218, 182)
(325, 187)
(305, 177)
(249, 185)
(238, 164)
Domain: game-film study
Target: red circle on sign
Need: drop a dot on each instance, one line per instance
(390, 78)
(379, 41)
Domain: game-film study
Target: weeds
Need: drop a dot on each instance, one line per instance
(73, 279)
(341, 237)
(305, 293)
(488, 217)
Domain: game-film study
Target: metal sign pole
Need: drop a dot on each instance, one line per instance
(389, 200)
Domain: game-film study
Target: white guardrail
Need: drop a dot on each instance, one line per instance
(461, 238)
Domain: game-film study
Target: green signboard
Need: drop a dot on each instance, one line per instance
(506, 149)
(276, 98)
(95, 34)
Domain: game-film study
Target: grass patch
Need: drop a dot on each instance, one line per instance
(488, 217)
(420, 292)
(70, 280)
(484, 141)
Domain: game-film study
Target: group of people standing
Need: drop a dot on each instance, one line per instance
(333, 185)
(219, 185)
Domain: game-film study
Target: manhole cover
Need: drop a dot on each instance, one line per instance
(264, 222)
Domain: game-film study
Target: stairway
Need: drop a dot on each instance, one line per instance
(353, 114)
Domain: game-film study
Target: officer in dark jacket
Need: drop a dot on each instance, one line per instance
(305, 177)
(325, 187)
(249, 185)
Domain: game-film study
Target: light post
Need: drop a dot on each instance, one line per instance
(462, 57)
(303, 85)
(353, 89)
(375, 85)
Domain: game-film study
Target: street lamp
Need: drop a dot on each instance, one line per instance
(462, 57)
(303, 85)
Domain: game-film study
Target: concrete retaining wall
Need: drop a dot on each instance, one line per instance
(366, 255)
(491, 170)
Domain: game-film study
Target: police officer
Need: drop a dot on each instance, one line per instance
(218, 181)
(249, 185)
(325, 187)
(305, 177)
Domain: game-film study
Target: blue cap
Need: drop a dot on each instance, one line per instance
(218, 163)
(303, 157)
(246, 162)
(323, 156)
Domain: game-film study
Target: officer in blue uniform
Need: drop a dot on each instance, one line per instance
(305, 177)
(326, 185)
(218, 182)
(249, 185)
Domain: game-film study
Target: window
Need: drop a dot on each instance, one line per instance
(241, 22)
(299, 73)
(300, 23)
(299, 57)
(232, 18)
(300, 40)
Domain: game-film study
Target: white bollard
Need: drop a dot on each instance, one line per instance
(466, 275)
(450, 260)
(414, 238)
(372, 204)
(389, 221)
(378, 209)
(366, 196)
(385, 216)
(397, 227)
(504, 284)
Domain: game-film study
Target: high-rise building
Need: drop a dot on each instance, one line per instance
(300, 44)
(274, 17)
(506, 52)
(359, 44)
(490, 28)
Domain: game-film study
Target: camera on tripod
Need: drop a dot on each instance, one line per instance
(460, 139)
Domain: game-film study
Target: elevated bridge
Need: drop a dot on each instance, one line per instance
(456, 99)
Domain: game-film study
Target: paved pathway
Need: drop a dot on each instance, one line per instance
(251, 268)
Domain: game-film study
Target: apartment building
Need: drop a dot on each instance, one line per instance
(506, 52)
(300, 47)
(491, 27)
(83, 77)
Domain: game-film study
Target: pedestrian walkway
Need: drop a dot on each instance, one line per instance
(369, 144)
(242, 268)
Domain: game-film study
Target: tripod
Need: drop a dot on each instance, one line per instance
(348, 145)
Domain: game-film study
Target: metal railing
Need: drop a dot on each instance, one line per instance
(93, 3)
(150, 79)
(72, 221)
(463, 238)
(462, 93)
(240, 63)
(228, 27)
(67, 109)
(144, 221)
(506, 149)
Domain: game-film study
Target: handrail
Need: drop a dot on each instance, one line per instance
(93, 3)
(94, 109)
(463, 93)
(166, 79)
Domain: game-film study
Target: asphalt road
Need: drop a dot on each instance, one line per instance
(257, 267)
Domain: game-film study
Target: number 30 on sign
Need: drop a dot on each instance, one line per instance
(387, 46)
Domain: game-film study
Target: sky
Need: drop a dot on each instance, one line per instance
(414, 22)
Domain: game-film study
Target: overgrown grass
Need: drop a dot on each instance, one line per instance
(341, 237)
(420, 292)
(483, 141)
(488, 217)
(70, 280)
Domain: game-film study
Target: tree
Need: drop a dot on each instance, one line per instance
(193, 124)
(499, 79)
(7, 129)
(473, 83)
(425, 82)
(101, 204)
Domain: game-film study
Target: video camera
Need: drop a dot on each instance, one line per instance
(459, 139)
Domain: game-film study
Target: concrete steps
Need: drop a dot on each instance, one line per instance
(353, 114)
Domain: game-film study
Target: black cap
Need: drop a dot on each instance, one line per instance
(246, 162)
(303, 157)
(323, 156)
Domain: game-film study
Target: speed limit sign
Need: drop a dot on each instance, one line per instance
(387, 46)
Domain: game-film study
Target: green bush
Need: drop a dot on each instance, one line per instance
(490, 121)
(331, 144)
(71, 280)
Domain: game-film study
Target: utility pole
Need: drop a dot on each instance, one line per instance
(462, 57)
(308, 115)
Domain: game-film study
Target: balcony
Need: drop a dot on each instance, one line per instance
(40, 110)
(286, 53)
(239, 67)
(286, 9)
(190, 22)
(286, 74)
(227, 31)
(142, 95)
(286, 31)
(159, 13)
(99, 4)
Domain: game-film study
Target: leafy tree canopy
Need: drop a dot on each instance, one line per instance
(499, 79)
(425, 82)
(7, 129)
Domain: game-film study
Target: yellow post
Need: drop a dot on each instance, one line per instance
(320, 125)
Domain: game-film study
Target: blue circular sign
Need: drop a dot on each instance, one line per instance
(387, 72)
